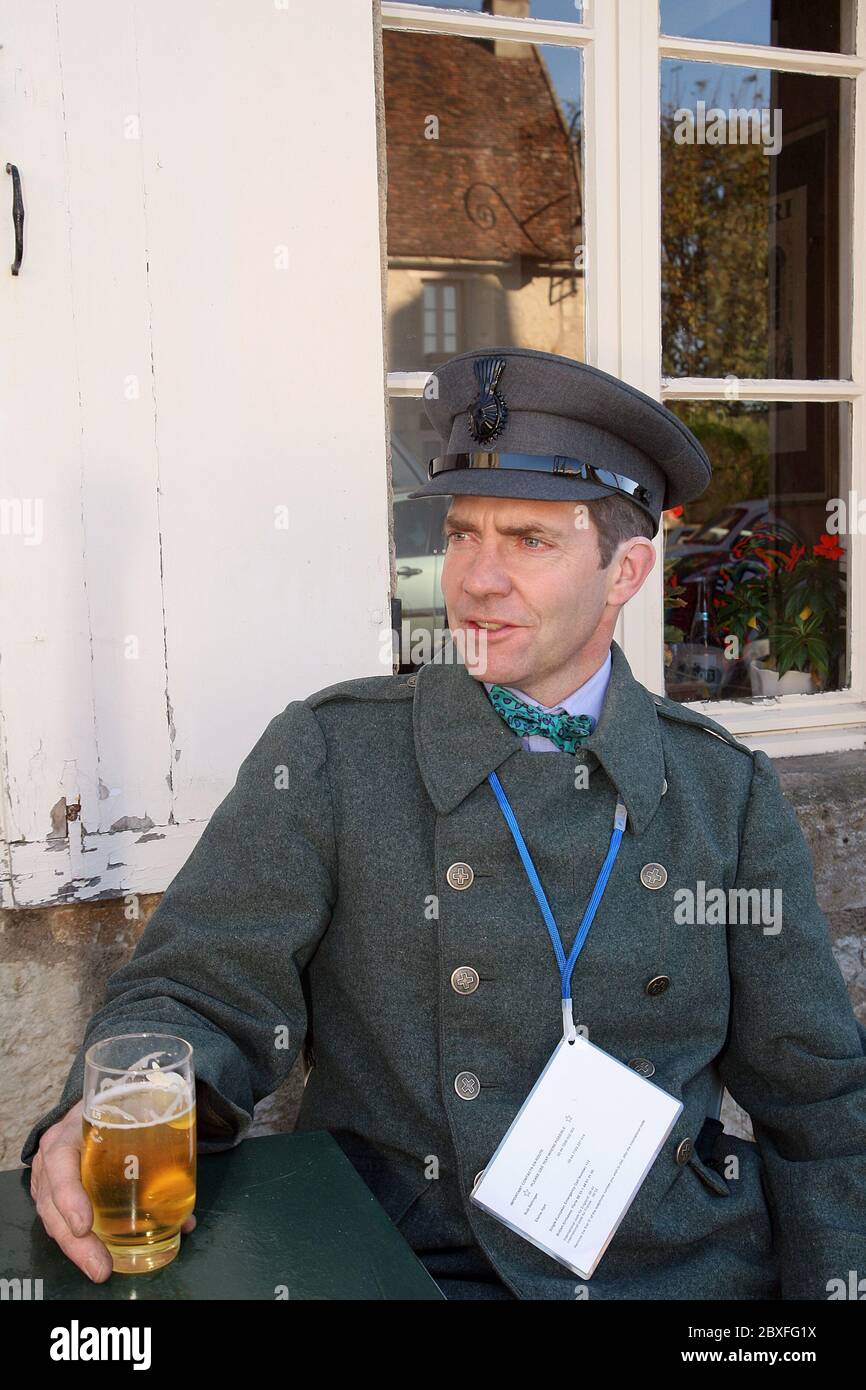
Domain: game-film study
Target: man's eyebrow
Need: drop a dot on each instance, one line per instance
(526, 528)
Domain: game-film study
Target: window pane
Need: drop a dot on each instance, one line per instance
(417, 533)
(411, 527)
(755, 222)
(484, 191)
(755, 569)
(563, 10)
(827, 27)
(413, 443)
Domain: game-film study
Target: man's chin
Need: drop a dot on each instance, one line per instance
(484, 661)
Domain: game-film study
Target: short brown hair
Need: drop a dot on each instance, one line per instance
(616, 520)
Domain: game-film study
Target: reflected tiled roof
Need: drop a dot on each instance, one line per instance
(501, 179)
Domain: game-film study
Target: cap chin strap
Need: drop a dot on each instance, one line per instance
(557, 465)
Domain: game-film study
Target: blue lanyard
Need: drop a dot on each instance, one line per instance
(566, 966)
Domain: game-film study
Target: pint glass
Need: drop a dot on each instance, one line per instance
(138, 1152)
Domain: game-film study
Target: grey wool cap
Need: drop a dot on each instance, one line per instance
(516, 422)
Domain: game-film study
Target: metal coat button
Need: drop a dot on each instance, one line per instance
(410, 680)
(658, 984)
(664, 785)
(460, 875)
(467, 1085)
(653, 875)
(684, 1151)
(643, 1065)
(465, 980)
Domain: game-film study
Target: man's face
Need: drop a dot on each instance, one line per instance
(534, 568)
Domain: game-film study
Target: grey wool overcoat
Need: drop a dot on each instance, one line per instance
(318, 907)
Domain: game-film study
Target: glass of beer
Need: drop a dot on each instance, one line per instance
(139, 1150)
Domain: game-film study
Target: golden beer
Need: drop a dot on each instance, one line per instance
(138, 1164)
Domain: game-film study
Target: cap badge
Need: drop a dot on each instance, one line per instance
(488, 413)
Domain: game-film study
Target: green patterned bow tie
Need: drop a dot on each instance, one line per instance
(565, 730)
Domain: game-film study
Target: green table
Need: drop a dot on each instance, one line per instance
(284, 1216)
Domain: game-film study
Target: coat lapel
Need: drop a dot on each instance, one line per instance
(627, 743)
(459, 737)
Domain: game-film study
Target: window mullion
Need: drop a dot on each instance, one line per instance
(601, 194)
(856, 538)
(640, 626)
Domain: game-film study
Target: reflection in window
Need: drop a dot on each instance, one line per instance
(484, 208)
(418, 541)
(563, 10)
(755, 569)
(755, 252)
(827, 28)
(440, 319)
(721, 528)
(412, 527)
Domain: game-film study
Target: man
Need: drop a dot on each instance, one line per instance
(360, 886)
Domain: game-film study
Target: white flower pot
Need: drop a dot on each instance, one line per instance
(771, 683)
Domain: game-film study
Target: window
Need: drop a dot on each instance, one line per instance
(484, 206)
(440, 319)
(706, 186)
(809, 26)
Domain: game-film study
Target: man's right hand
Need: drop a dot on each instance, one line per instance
(61, 1201)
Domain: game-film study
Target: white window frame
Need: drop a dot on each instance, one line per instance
(623, 51)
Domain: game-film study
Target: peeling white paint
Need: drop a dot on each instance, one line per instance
(131, 823)
(125, 862)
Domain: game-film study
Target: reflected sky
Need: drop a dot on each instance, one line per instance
(789, 23)
(743, 21)
(684, 83)
(563, 10)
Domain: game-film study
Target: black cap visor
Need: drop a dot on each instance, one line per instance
(549, 477)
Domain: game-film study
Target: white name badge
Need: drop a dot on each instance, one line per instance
(575, 1154)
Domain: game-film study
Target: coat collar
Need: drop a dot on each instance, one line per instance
(459, 737)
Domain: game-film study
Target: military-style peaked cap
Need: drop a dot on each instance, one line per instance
(515, 422)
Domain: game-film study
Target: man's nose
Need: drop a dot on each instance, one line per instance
(486, 572)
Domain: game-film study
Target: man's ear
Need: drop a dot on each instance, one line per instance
(632, 564)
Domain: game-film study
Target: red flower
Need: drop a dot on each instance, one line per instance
(828, 547)
(717, 602)
(674, 511)
(674, 581)
(796, 554)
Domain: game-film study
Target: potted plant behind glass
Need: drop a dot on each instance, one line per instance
(674, 593)
(796, 603)
(695, 665)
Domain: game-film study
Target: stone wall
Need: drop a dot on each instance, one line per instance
(828, 792)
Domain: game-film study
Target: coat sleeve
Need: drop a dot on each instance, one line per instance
(220, 960)
(795, 1057)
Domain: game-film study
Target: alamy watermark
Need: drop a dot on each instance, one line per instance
(846, 516)
(440, 645)
(704, 906)
(737, 126)
(22, 516)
